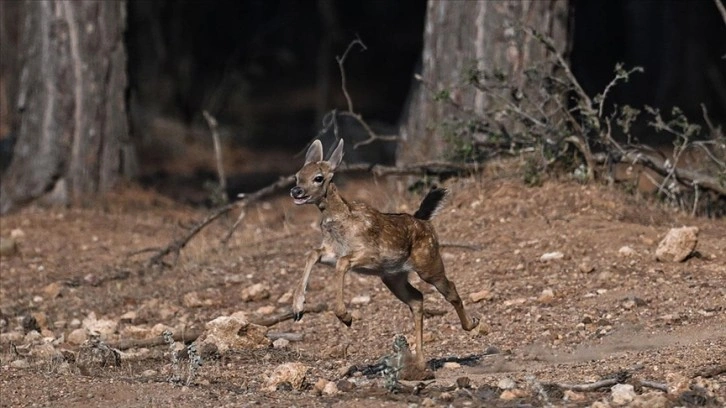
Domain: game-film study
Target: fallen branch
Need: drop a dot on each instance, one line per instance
(192, 335)
(608, 382)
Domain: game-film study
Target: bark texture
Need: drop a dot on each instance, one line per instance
(73, 124)
(460, 35)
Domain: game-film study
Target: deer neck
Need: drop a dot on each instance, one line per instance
(333, 201)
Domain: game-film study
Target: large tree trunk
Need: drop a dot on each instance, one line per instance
(460, 35)
(73, 125)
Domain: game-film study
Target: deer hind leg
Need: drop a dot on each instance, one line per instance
(406, 293)
(447, 288)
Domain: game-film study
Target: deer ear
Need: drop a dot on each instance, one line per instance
(337, 155)
(315, 152)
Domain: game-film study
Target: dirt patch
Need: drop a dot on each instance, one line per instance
(595, 312)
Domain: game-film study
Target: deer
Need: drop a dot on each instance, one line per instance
(359, 238)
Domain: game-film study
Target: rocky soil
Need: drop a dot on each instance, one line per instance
(575, 308)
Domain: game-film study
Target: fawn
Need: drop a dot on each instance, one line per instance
(358, 237)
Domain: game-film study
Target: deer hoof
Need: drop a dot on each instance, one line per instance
(346, 318)
(474, 323)
(296, 316)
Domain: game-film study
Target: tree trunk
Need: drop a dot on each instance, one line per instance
(459, 36)
(73, 125)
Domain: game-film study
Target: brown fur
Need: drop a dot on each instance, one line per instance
(358, 237)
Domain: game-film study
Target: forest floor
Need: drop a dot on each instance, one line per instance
(604, 310)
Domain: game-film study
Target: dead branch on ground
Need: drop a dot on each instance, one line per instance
(192, 335)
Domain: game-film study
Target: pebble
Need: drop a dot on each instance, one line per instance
(77, 336)
(285, 298)
(626, 251)
(292, 373)
(255, 292)
(280, 343)
(361, 300)
(451, 365)
(477, 297)
(506, 384)
(551, 256)
(622, 394)
(547, 296)
(20, 363)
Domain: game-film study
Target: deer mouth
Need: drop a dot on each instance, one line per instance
(301, 200)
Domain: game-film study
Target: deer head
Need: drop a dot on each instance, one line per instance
(314, 177)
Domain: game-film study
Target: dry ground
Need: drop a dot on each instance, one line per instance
(611, 312)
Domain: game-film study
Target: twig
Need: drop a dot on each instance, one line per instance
(179, 243)
(280, 184)
(608, 382)
(192, 335)
(654, 385)
(341, 61)
(212, 122)
(372, 136)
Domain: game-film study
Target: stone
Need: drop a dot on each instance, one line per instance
(128, 317)
(227, 332)
(586, 266)
(506, 384)
(77, 337)
(103, 327)
(191, 299)
(293, 373)
(551, 256)
(626, 251)
(266, 310)
(360, 300)
(320, 385)
(484, 294)
(622, 394)
(677, 383)
(20, 363)
(344, 386)
(330, 388)
(547, 296)
(136, 332)
(52, 290)
(451, 365)
(573, 396)
(255, 292)
(677, 245)
(280, 343)
(11, 337)
(508, 395)
(285, 299)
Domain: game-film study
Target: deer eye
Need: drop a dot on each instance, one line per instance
(319, 178)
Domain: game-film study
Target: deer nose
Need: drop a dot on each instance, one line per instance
(297, 192)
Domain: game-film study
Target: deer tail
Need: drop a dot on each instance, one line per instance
(431, 204)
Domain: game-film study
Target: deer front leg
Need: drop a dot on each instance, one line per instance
(298, 297)
(341, 268)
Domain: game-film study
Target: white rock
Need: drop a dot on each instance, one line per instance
(280, 343)
(285, 298)
(293, 373)
(255, 292)
(551, 256)
(227, 332)
(626, 251)
(20, 363)
(451, 365)
(361, 300)
(77, 336)
(103, 327)
(330, 388)
(506, 384)
(677, 245)
(622, 394)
